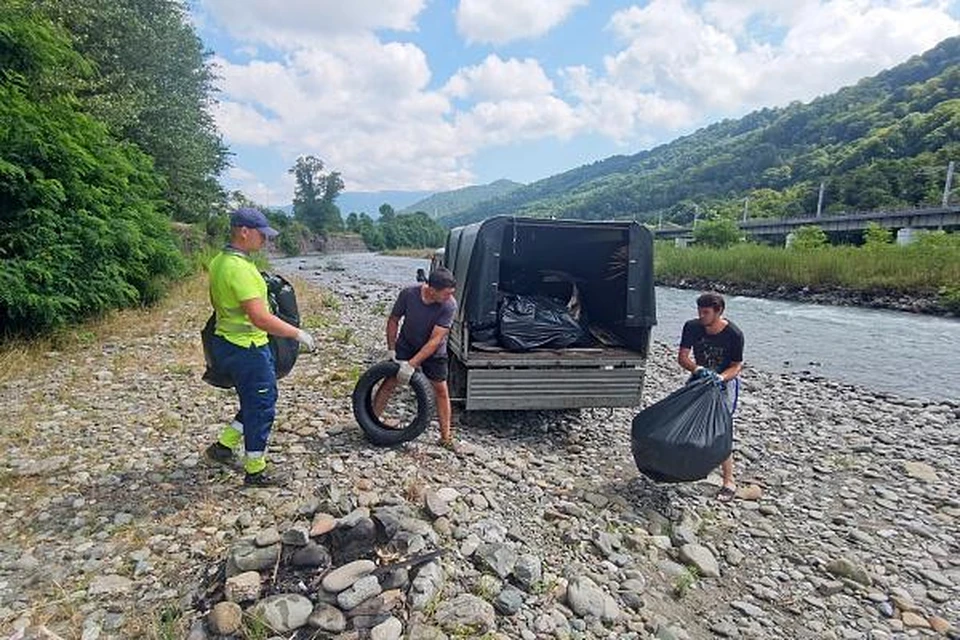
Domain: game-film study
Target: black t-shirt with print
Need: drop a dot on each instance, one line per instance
(713, 351)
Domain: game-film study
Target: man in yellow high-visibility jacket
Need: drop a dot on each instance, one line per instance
(240, 346)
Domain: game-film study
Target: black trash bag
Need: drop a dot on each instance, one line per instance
(283, 304)
(282, 300)
(530, 322)
(685, 436)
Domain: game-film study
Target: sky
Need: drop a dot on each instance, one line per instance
(431, 95)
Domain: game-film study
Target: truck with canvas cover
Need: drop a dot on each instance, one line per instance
(553, 314)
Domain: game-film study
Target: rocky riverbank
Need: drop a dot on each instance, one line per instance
(114, 527)
(929, 304)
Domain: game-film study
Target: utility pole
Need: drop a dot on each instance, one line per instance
(696, 215)
(820, 200)
(746, 208)
(659, 222)
(948, 185)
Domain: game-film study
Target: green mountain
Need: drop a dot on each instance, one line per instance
(448, 203)
(884, 142)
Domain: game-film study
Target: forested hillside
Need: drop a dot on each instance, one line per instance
(884, 142)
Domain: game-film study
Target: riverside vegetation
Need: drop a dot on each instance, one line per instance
(922, 276)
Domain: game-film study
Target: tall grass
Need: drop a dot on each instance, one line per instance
(926, 267)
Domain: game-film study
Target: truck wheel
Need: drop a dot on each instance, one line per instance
(378, 433)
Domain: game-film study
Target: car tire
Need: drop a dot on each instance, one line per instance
(375, 431)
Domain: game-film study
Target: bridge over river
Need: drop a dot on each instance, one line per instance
(902, 221)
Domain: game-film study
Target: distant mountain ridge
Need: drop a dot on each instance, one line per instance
(449, 203)
(369, 201)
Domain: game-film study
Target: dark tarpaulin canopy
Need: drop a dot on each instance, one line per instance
(612, 261)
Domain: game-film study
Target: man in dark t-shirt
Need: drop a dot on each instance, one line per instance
(717, 346)
(427, 311)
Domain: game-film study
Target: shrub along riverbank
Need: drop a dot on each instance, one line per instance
(922, 277)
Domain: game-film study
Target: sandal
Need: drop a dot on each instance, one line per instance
(449, 445)
(726, 493)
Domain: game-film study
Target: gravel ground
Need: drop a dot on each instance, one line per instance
(112, 523)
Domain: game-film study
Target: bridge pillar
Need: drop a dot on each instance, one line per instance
(681, 243)
(789, 241)
(905, 236)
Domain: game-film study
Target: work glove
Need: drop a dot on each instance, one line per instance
(405, 373)
(715, 378)
(306, 340)
(392, 355)
(701, 372)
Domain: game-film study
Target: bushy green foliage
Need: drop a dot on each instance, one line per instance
(294, 238)
(808, 237)
(400, 231)
(81, 230)
(931, 266)
(718, 233)
(876, 236)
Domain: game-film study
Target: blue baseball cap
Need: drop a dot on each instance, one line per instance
(253, 219)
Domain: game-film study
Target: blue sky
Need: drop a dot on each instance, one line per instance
(438, 94)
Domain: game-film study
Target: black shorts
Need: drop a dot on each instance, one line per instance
(434, 367)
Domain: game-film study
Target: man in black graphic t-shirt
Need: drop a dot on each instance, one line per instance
(717, 346)
(427, 311)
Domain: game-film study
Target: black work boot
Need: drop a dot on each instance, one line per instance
(265, 478)
(219, 453)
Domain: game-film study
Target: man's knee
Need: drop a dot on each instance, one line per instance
(441, 390)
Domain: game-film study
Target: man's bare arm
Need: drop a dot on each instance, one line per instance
(439, 333)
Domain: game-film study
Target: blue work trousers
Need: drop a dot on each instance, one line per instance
(255, 379)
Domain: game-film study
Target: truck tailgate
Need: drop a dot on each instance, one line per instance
(554, 387)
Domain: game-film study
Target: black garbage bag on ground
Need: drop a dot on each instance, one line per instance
(530, 322)
(282, 300)
(685, 436)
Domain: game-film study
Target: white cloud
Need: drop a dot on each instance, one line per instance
(243, 124)
(294, 23)
(357, 103)
(679, 66)
(621, 112)
(371, 110)
(495, 79)
(502, 21)
(507, 121)
(248, 183)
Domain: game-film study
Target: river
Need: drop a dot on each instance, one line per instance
(884, 351)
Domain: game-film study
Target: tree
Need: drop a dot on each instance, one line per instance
(81, 227)
(353, 223)
(294, 238)
(808, 237)
(719, 233)
(387, 214)
(316, 191)
(876, 236)
(154, 86)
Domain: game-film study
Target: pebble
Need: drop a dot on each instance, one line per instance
(283, 612)
(344, 577)
(243, 587)
(362, 589)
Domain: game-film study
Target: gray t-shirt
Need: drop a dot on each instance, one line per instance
(420, 318)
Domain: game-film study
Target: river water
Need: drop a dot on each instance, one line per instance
(885, 351)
